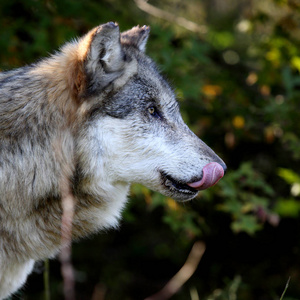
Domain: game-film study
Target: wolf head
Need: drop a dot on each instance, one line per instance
(134, 132)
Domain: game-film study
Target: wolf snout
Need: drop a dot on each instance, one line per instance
(212, 173)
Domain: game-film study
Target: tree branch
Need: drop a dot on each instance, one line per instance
(68, 203)
(159, 13)
(182, 276)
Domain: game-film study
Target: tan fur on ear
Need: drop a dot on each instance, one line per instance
(76, 76)
(84, 44)
(77, 81)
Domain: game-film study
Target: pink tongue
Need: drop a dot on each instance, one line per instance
(212, 173)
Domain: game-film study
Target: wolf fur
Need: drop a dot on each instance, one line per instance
(96, 116)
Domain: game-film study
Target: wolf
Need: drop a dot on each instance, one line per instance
(96, 117)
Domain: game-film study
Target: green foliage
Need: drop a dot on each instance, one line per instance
(246, 197)
(180, 219)
(289, 207)
(289, 176)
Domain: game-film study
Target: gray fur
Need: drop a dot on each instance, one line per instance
(81, 118)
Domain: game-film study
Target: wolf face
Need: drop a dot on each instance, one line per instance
(141, 137)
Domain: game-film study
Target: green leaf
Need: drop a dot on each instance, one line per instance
(287, 207)
(247, 223)
(288, 175)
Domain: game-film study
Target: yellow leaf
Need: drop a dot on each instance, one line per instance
(274, 56)
(296, 62)
(252, 78)
(265, 90)
(238, 122)
(269, 135)
(211, 90)
(246, 208)
(172, 204)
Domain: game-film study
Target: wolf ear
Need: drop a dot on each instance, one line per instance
(106, 48)
(137, 37)
(101, 53)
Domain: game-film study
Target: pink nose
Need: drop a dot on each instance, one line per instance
(212, 173)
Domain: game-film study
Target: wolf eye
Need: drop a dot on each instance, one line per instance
(152, 110)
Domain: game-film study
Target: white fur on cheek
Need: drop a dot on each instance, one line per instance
(123, 156)
(131, 156)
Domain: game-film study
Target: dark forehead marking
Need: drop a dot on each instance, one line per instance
(147, 65)
(145, 84)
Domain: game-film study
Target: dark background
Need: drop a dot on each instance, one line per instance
(237, 80)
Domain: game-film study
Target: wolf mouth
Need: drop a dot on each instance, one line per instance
(177, 186)
(211, 174)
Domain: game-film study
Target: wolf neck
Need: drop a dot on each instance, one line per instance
(59, 71)
(99, 207)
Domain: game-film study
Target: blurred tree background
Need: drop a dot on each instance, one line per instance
(236, 74)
